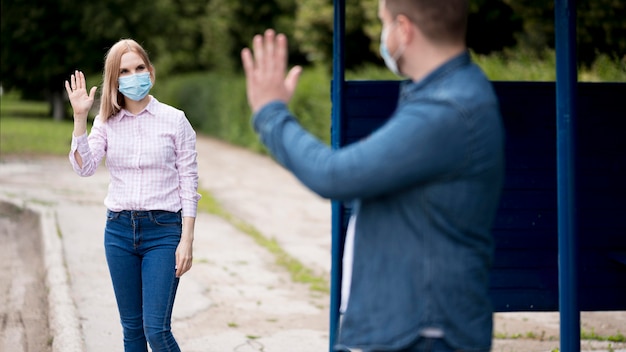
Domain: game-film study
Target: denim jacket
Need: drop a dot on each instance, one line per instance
(426, 185)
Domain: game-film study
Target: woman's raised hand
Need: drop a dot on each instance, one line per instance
(77, 92)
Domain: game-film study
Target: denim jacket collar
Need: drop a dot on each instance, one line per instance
(408, 87)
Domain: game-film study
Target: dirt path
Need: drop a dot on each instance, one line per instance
(23, 301)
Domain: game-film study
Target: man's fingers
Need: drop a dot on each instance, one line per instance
(291, 81)
(269, 54)
(258, 52)
(248, 63)
(280, 56)
(265, 66)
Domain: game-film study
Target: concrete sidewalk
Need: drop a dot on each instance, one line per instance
(235, 298)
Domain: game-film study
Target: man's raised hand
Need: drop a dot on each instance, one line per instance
(265, 67)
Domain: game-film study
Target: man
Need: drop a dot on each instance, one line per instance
(425, 185)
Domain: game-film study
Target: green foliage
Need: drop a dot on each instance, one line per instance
(492, 19)
(604, 69)
(181, 43)
(600, 29)
(521, 65)
(216, 104)
(217, 45)
(314, 31)
(528, 65)
(39, 46)
(43, 42)
(538, 23)
(311, 103)
(592, 335)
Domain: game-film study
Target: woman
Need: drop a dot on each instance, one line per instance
(150, 151)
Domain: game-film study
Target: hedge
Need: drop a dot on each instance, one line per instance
(216, 104)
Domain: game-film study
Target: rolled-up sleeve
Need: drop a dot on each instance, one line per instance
(91, 149)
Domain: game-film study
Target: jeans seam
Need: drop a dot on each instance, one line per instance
(170, 306)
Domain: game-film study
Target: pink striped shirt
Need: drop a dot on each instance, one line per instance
(151, 158)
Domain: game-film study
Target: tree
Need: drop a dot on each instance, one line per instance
(170, 30)
(601, 28)
(259, 15)
(43, 42)
(492, 25)
(314, 31)
(41, 45)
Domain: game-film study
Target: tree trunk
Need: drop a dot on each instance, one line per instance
(58, 105)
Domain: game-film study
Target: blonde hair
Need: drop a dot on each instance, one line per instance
(111, 100)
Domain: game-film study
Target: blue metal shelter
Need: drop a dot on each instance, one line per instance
(560, 237)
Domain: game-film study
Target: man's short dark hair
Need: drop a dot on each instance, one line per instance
(440, 20)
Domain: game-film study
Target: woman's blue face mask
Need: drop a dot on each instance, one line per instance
(135, 87)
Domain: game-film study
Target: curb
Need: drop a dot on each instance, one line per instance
(62, 313)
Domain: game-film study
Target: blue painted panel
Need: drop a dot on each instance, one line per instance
(525, 272)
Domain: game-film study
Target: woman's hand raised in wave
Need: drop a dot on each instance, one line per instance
(77, 92)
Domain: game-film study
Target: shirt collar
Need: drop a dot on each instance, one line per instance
(451, 65)
(150, 109)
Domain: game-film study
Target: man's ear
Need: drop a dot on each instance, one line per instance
(407, 28)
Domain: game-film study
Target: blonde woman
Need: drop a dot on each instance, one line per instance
(150, 151)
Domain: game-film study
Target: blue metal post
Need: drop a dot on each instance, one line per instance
(566, 93)
(336, 133)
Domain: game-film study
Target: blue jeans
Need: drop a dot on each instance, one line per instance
(140, 250)
(427, 344)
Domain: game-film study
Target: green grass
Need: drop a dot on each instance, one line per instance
(11, 104)
(521, 65)
(27, 129)
(584, 335)
(517, 65)
(29, 135)
(298, 271)
(591, 335)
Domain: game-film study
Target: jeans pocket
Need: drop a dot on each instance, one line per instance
(112, 215)
(166, 218)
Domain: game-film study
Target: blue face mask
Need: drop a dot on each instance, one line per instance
(135, 87)
(391, 61)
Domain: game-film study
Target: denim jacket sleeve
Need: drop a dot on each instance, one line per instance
(422, 141)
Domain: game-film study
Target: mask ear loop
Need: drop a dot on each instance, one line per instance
(400, 49)
(391, 61)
